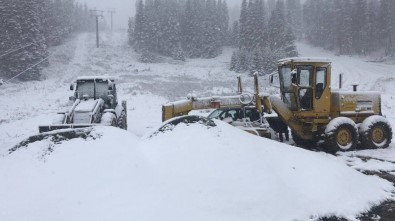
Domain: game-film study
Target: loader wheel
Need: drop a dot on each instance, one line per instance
(375, 132)
(108, 119)
(300, 142)
(341, 134)
(122, 122)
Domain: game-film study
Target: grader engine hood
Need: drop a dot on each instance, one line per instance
(355, 103)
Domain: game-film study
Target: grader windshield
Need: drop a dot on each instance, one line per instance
(285, 74)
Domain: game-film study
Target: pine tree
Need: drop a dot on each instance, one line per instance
(140, 27)
(235, 35)
(260, 35)
(277, 27)
(223, 22)
(386, 24)
(233, 62)
(294, 17)
(372, 27)
(131, 36)
(343, 26)
(256, 64)
(358, 26)
(243, 26)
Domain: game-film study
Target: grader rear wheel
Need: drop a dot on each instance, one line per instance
(375, 132)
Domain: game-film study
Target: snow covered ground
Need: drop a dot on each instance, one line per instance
(188, 174)
(221, 174)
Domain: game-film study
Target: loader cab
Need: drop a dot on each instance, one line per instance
(96, 88)
(305, 85)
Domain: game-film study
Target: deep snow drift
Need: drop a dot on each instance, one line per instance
(221, 174)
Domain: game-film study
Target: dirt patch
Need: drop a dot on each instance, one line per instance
(56, 137)
(382, 212)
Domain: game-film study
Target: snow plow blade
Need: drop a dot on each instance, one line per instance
(48, 128)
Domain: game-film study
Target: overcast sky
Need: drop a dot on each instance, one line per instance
(124, 9)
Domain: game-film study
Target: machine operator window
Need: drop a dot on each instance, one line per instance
(305, 76)
(320, 83)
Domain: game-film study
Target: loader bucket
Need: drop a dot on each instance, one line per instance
(48, 128)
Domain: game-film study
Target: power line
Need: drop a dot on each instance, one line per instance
(28, 45)
(15, 50)
(5, 82)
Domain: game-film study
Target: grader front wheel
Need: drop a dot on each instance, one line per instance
(341, 134)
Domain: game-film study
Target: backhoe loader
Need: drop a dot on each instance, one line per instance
(343, 120)
(95, 103)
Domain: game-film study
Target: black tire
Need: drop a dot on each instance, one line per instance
(341, 134)
(108, 119)
(375, 132)
(300, 142)
(122, 121)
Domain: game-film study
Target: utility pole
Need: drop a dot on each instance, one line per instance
(111, 11)
(97, 14)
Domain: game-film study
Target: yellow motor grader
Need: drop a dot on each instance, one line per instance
(308, 106)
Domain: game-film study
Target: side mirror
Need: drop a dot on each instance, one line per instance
(111, 97)
(110, 88)
(71, 87)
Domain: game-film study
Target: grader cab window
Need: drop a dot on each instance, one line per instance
(304, 75)
(320, 83)
(288, 94)
(285, 78)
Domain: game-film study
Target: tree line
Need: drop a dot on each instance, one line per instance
(350, 26)
(180, 29)
(29, 27)
(264, 34)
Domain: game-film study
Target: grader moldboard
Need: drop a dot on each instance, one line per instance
(308, 106)
(95, 103)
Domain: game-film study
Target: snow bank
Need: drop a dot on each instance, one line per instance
(189, 173)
